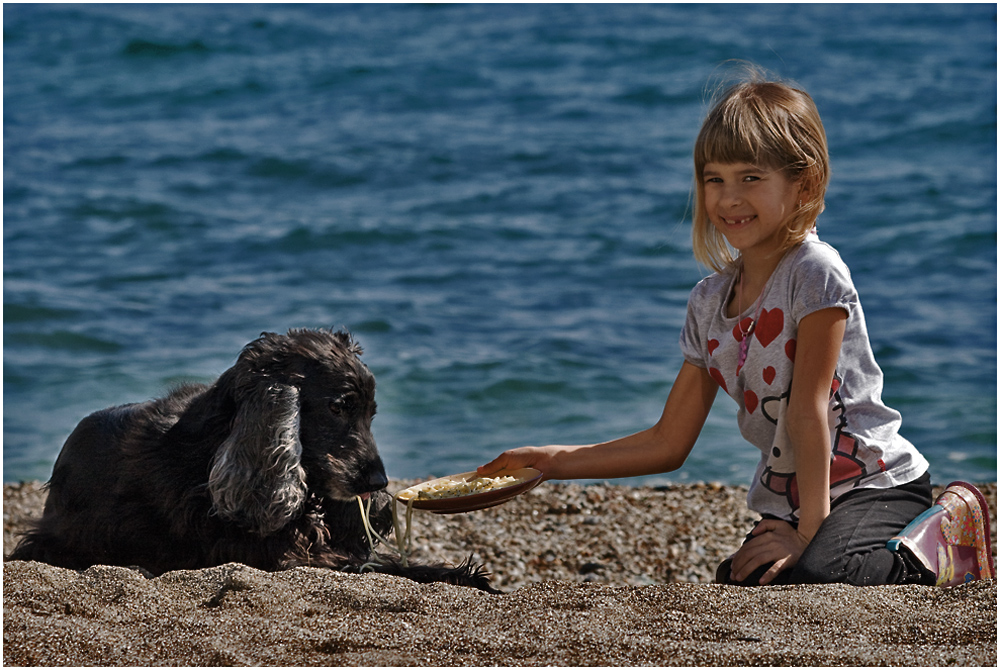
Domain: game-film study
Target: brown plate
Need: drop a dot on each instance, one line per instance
(530, 478)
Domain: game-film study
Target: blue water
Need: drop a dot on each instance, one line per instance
(493, 198)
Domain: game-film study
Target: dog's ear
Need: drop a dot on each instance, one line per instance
(257, 479)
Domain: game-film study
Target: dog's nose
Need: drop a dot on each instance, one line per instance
(377, 481)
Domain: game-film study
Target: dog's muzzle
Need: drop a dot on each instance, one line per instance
(377, 481)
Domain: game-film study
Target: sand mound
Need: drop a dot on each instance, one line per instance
(235, 615)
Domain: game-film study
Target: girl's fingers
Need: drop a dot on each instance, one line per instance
(751, 556)
(512, 459)
(771, 544)
(775, 570)
(767, 526)
(498, 463)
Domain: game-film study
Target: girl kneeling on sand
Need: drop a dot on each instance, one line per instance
(779, 327)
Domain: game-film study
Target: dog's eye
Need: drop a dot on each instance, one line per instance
(343, 406)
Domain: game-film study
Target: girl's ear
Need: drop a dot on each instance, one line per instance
(807, 190)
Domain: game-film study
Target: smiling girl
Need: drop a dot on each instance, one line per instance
(780, 329)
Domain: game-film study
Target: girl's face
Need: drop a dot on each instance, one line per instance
(749, 205)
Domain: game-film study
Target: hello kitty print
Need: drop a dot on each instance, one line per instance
(866, 448)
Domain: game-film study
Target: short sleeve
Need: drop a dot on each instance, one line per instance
(689, 341)
(694, 338)
(821, 280)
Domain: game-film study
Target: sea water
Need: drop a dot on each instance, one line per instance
(494, 199)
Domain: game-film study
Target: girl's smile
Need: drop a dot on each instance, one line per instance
(737, 221)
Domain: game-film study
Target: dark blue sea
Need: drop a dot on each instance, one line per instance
(493, 198)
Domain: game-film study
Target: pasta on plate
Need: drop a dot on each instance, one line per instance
(452, 488)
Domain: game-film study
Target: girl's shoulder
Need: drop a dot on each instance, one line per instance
(816, 257)
(714, 284)
(817, 277)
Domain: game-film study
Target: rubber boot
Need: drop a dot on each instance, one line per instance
(952, 538)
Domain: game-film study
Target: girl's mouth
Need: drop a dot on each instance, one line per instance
(738, 221)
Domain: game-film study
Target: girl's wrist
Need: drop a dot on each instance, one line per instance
(807, 528)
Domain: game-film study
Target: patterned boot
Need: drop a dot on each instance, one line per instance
(952, 538)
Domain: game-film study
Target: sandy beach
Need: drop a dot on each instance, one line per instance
(592, 575)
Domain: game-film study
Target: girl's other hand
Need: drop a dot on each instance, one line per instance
(539, 458)
(776, 542)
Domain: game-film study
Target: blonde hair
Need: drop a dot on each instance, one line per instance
(769, 125)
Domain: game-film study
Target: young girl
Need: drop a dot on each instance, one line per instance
(779, 328)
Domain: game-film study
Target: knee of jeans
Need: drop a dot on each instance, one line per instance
(814, 568)
(722, 572)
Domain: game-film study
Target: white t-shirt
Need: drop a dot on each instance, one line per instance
(867, 449)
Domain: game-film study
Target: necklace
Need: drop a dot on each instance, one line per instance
(745, 341)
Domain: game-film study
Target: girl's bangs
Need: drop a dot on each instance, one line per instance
(724, 148)
(753, 125)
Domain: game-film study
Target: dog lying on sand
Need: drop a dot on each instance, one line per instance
(264, 467)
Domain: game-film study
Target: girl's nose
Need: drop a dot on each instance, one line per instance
(731, 197)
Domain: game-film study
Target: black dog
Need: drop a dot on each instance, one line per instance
(261, 468)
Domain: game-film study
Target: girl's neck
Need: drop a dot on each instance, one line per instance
(752, 277)
(756, 270)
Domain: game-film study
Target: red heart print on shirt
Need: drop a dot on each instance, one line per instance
(790, 350)
(712, 346)
(769, 326)
(719, 379)
(768, 374)
(742, 327)
(750, 401)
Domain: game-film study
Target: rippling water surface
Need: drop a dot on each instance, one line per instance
(492, 198)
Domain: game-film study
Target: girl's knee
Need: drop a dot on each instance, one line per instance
(872, 568)
(817, 566)
(723, 575)
(817, 572)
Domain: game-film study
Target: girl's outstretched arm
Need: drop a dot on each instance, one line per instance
(817, 351)
(661, 448)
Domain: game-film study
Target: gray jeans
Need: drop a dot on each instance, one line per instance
(849, 547)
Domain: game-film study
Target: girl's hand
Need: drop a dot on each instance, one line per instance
(774, 541)
(539, 458)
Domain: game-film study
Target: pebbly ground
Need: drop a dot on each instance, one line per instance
(593, 575)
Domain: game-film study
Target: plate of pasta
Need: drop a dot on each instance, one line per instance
(469, 491)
